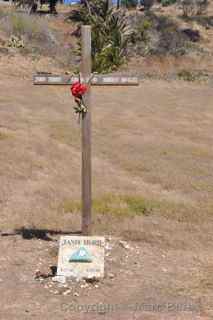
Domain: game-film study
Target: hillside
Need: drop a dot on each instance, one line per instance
(169, 45)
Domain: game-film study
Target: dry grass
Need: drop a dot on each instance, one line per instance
(39, 35)
(152, 183)
(4, 136)
(151, 155)
(21, 24)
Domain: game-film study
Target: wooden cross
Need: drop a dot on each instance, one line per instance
(86, 66)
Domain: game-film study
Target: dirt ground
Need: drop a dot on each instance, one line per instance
(146, 280)
(153, 141)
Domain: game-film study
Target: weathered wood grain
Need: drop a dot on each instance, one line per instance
(98, 80)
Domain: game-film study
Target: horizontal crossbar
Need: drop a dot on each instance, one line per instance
(97, 80)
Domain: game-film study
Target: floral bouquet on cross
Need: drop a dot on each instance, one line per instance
(78, 90)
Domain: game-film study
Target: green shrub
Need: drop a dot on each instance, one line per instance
(108, 59)
(15, 42)
(193, 7)
(129, 3)
(166, 3)
(110, 34)
(141, 32)
(186, 75)
(195, 75)
(24, 25)
(117, 205)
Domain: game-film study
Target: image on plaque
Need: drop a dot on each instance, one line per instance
(81, 255)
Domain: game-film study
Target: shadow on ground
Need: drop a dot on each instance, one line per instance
(42, 234)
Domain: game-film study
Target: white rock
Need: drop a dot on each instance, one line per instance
(108, 238)
(108, 247)
(76, 294)
(54, 291)
(62, 285)
(65, 293)
(60, 279)
(124, 244)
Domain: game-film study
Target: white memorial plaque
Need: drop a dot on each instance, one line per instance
(81, 257)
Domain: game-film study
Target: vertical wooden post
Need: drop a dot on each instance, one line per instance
(86, 172)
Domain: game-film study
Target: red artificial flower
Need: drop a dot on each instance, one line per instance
(78, 89)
